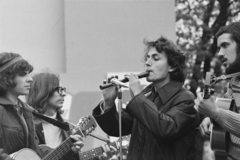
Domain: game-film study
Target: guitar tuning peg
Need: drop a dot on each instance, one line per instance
(211, 91)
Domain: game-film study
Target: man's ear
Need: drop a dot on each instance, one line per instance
(171, 69)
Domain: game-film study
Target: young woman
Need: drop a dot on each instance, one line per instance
(17, 130)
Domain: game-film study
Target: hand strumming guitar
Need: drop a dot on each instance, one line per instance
(205, 127)
(209, 108)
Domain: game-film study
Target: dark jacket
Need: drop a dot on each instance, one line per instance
(162, 125)
(13, 136)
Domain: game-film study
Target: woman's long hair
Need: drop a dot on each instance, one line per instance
(42, 88)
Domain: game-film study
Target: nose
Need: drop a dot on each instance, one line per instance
(148, 62)
(29, 78)
(220, 52)
(64, 93)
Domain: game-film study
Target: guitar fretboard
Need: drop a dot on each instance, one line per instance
(62, 149)
(94, 153)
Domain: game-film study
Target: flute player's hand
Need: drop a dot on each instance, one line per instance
(109, 95)
(134, 84)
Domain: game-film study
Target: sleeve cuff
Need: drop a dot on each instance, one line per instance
(101, 107)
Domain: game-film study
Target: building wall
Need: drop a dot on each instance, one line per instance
(83, 41)
(35, 29)
(105, 36)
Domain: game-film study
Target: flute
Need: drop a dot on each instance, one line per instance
(141, 75)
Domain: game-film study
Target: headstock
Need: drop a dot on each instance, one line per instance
(87, 125)
(207, 90)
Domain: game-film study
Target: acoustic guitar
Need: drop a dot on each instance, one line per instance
(84, 129)
(218, 136)
(98, 151)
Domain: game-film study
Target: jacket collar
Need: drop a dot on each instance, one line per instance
(167, 91)
(6, 101)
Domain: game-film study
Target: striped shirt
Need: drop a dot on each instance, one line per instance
(230, 121)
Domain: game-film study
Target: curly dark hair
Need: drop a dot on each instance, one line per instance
(8, 75)
(42, 88)
(234, 30)
(175, 56)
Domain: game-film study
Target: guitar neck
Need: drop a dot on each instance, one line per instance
(94, 153)
(206, 91)
(62, 149)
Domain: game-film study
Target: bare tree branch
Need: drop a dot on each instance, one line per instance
(206, 17)
(220, 21)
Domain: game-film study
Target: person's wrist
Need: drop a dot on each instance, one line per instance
(107, 104)
(215, 114)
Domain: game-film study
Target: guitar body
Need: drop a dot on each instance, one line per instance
(25, 154)
(218, 142)
(219, 137)
(86, 127)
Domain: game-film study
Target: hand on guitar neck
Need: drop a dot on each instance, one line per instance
(205, 103)
(207, 107)
(109, 152)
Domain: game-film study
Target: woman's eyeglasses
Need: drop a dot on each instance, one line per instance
(60, 90)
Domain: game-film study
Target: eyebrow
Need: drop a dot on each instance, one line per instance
(154, 54)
